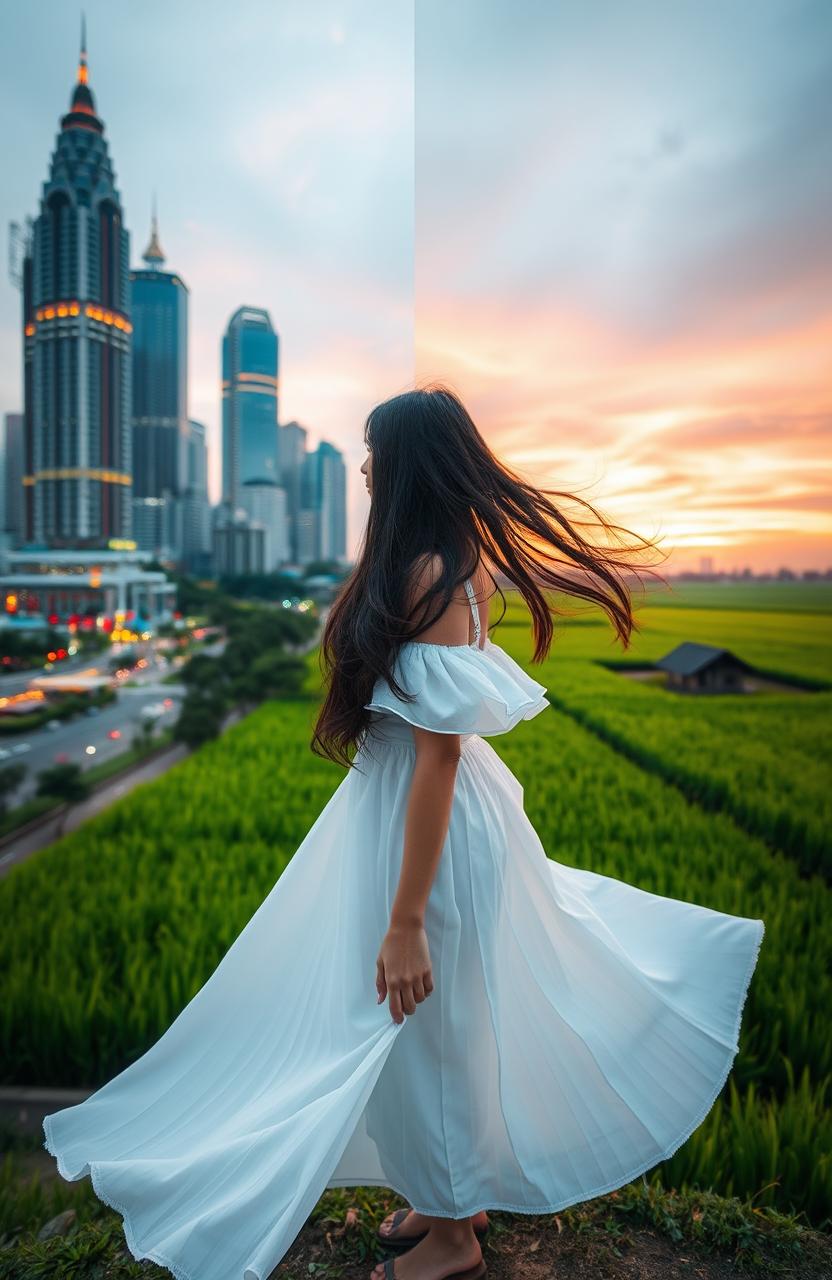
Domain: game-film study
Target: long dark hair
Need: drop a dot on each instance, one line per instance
(438, 489)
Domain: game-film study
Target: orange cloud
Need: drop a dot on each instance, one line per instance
(712, 445)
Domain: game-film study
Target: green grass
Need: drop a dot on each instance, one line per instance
(762, 597)
(761, 758)
(118, 925)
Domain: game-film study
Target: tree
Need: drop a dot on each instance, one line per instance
(64, 782)
(204, 673)
(10, 779)
(199, 720)
(143, 737)
(279, 675)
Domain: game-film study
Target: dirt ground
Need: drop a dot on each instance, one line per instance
(519, 1248)
(535, 1249)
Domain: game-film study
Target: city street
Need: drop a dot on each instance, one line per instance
(95, 736)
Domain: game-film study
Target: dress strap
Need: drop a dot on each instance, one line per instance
(475, 611)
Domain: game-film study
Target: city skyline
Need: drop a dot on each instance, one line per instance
(597, 269)
(307, 170)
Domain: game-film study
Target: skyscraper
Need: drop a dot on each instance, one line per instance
(195, 504)
(265, 504)
(249, 402)
(159, 312)
(291, 450)
(333, 501)
(12, 473)
(77, 343)
(322, 524)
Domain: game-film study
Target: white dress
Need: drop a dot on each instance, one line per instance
(579, 1029)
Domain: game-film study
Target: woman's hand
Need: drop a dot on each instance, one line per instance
(403, 969)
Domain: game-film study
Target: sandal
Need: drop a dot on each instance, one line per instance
(393, 1241)
(471, 1273)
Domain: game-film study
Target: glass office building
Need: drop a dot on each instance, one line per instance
(159, 311)
(195, 504)
(249, 402)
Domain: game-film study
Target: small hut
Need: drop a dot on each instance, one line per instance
(701, 668)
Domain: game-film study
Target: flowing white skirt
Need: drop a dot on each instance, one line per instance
(580, 1029)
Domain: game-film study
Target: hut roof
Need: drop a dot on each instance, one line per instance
(689, 657)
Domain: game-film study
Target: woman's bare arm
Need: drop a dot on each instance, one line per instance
(403, 964)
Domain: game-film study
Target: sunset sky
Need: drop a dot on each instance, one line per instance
(608, 226)
(624, 258)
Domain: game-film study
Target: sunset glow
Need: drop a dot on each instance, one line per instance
(629, 290)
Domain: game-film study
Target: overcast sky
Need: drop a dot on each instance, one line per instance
(608, 225)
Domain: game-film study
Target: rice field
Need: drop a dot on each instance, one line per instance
(720, 801)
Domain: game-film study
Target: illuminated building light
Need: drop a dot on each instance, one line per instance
(79, 473)
(108, 317)
(72, 307)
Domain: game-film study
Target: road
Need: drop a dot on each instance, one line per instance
(87, 739)
(18, 681)
(22, 846)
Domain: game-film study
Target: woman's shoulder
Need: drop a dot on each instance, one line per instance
(424, 571)
(451, 625)
(483, 581)
(428, 567)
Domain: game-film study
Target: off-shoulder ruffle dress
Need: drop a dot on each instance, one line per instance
(579, 1029)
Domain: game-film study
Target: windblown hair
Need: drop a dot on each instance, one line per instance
(437, 489)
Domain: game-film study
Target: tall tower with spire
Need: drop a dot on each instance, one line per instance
(77, 343)
(161, 432)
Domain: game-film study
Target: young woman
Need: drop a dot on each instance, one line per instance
(425, 1000)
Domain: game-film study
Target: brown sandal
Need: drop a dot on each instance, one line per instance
(407, 1242)
(472, 1273)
